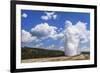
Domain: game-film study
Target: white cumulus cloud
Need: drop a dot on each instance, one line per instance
(54, 16)
(55, 47)
(24, 15)
(27, 37)
(52, 47)
(38, 45)
(43, 30)
(49, 15)
(44, 17)
(58, 36)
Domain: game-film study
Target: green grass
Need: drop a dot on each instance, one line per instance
(31, 53)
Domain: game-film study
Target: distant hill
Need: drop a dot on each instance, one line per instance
(85, 52)
(30, 53)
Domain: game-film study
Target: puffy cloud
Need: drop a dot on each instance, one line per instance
(85, 49)
(43, 30)
(38, 45)
(40, 32)
(59, 36)
(27, 37)
(55, 47)
(74, 35)
(24, 15)
(68, 23)
(44, 17)
(49, 15)
(54, 16)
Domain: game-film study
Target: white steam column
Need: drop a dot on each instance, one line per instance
(72, 40)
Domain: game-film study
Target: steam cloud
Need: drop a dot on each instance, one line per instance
(73, 35)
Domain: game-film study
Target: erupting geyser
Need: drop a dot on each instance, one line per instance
(72, 39)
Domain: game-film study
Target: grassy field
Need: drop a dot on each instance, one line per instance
(29, 55)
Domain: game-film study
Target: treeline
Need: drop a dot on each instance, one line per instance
(31, 53)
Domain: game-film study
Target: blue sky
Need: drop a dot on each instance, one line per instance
(30, 19)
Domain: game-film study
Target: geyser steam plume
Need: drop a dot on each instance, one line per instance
(73, 35)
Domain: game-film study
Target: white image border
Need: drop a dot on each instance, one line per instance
(20, 65)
